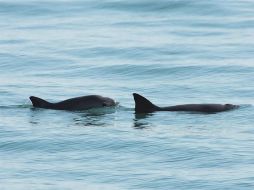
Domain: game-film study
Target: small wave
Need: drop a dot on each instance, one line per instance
(143, 5)
(46, 8)
(155, 71)
(22, 106)
(38, 8)
(188, 7)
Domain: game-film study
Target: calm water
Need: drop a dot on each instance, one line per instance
(171, 51)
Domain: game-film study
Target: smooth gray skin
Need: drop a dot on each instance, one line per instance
(74, 104)
(142, 105)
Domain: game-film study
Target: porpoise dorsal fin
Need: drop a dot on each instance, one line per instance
(39, 103)
(143, 105)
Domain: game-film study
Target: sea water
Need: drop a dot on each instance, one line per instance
(170, 51)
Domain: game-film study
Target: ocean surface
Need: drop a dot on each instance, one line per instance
(170, 51)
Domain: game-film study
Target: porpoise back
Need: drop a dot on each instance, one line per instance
(74, 104)
(143, 105)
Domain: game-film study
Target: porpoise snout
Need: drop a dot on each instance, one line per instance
(109, 102)
(231, 106)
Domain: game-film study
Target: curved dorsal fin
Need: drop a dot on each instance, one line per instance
(39, 103)
(143, 105)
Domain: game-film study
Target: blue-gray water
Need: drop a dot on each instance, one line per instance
(171, 51)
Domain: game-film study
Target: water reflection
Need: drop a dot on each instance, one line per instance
(140, 121)
(102, 118)
(94, 117)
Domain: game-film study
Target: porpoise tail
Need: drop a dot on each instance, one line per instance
(143, 105)
(39, 103)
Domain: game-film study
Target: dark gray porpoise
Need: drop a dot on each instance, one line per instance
(142, 105)
(74, 104)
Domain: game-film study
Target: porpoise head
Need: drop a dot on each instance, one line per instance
(230, 106)
(107, 102)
